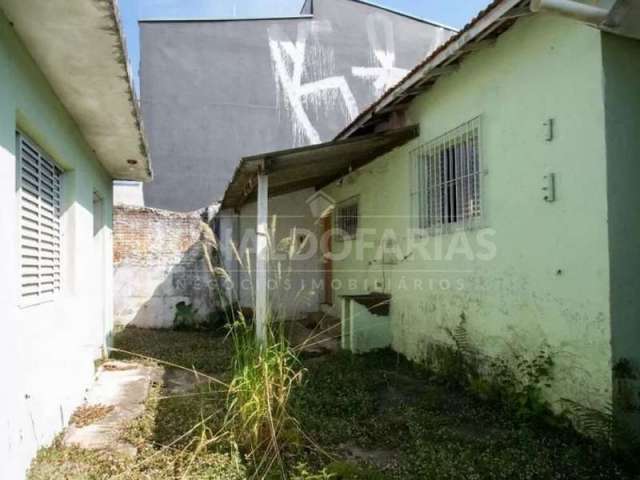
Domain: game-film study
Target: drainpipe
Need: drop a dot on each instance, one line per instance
(570, 8)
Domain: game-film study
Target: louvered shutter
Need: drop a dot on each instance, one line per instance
(40, 182)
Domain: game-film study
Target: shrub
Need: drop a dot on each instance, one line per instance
(519, 382)
(516, 381)
(186, 317)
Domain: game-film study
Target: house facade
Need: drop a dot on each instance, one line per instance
(509, 210)
(68, 128)
(524, 270)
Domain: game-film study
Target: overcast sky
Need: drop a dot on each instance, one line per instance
(455, 13)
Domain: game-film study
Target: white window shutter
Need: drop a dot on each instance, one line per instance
(40, 185)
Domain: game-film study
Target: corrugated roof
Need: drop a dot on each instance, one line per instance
(311, 166)
(503, 10)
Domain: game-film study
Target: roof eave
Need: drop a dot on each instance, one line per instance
(475, 31)
(311, 166)
(623, 20)
(81, 50)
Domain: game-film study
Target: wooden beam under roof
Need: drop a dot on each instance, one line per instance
(298, 168)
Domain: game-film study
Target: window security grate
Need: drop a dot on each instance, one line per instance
(347, 217)
(446, 180)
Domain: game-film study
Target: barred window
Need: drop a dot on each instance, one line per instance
(446, 180)
(346, 217)
(39, 181)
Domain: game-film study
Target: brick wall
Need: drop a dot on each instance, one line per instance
(158, 262)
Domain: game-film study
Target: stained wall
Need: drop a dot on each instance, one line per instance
(215, 91)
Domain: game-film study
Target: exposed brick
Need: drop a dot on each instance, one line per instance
(159, 262)
(148, 236)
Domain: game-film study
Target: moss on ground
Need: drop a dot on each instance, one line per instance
(375, 416)
(202, 351)
(383, 403)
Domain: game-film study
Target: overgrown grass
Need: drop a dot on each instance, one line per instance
(69, 463)
(172, 435)
(202, 351)
(375, 416)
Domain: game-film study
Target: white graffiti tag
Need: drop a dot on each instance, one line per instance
(288, 59)
(387, 74)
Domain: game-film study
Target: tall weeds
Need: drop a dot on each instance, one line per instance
(263, 377)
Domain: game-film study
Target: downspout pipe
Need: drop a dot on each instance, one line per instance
(570, 8)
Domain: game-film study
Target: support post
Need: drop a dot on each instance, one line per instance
(262, 258)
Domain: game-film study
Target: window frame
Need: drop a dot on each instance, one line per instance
(39, 298)
(466, 223)
(349, 202)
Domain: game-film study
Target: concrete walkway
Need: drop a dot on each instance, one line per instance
(125, 388)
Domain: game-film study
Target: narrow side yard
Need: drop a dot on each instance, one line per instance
(375, 416)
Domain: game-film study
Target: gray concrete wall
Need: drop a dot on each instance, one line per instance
(214, 91)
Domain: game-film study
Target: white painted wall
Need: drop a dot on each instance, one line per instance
(47, 351)
(293, 285)
(128, 193)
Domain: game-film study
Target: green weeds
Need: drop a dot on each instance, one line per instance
(258, 414)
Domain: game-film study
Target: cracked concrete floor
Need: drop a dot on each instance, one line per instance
(123, 386)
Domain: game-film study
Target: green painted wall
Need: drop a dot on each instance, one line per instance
(621, 59)
(29, 103)
(363, 331)
(53, 343)
(548, 280)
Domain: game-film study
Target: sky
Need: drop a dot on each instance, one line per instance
(455, 13)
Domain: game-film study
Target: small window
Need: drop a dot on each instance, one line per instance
(40, 184)
(446, 180)
(346, 215)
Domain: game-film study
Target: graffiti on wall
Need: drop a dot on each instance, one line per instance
(305, 72)
(385, 75)
(288, 60)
